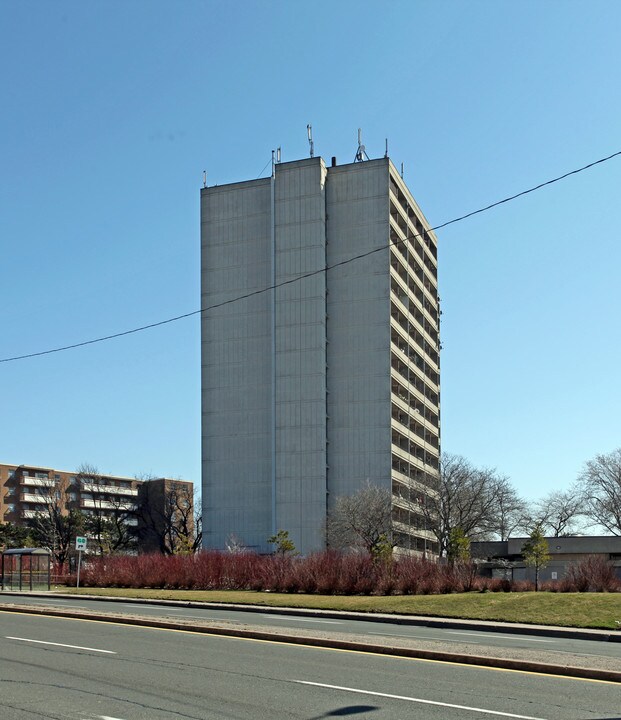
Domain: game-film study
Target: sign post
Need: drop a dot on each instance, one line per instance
(80, 544)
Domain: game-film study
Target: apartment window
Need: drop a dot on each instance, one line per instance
(11, 473)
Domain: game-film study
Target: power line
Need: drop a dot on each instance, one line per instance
(530, 190)
(297, 278)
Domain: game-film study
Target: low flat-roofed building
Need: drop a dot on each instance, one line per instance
(503, 558)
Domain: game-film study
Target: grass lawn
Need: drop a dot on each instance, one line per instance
(584, 610)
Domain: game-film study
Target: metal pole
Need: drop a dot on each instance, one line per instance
(273, 340)
(77, 584)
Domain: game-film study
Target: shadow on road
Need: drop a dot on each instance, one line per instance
(348, 710)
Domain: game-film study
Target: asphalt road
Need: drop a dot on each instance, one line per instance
(80, 670)
(373, 630)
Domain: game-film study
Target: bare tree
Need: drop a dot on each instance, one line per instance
(108, 519)
(509, 512)
(600, 485)
(198, 522)
(362, 520)
(558, 514)
(55, 525)
(466, 500)
(169, 517)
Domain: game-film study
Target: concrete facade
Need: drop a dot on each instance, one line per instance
(327, 382)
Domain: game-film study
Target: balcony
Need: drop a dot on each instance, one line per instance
(107, 505)
(408, 449)
(410, 402)
(34, 498)
(410, 328)
(37, 482)
(414, 243)
(109, 489)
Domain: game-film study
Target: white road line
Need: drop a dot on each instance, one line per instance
(494, 635)
(168, 613)
(200, 617)
(286, 619)
(74, 647)
(59, 602)
(424, 637)
(417, 700)
(71, 606)
(138, 605)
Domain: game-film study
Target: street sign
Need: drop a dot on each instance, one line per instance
(80, 543)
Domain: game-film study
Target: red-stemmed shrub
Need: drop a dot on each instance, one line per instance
(593, 574)
(326, 573)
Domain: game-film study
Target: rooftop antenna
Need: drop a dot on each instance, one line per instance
(309, 132)
(273, 163)
(386, 153)
(204, 178)
(277, 154)
(361, 153)
(402, 171)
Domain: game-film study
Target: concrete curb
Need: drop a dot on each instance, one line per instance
(414, 620)
(394, 651)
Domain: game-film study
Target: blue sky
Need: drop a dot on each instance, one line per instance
(111, 112)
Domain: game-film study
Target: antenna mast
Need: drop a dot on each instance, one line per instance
(361, 153)
(309, 132)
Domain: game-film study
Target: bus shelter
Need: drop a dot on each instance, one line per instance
(26, 569)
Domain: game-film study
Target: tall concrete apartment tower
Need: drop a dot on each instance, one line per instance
(315, 382)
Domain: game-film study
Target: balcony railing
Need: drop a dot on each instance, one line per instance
(34, 498)
(107, 505)
(108, 489)
(37, 482)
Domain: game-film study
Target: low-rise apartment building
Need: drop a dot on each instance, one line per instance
(28, 490)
